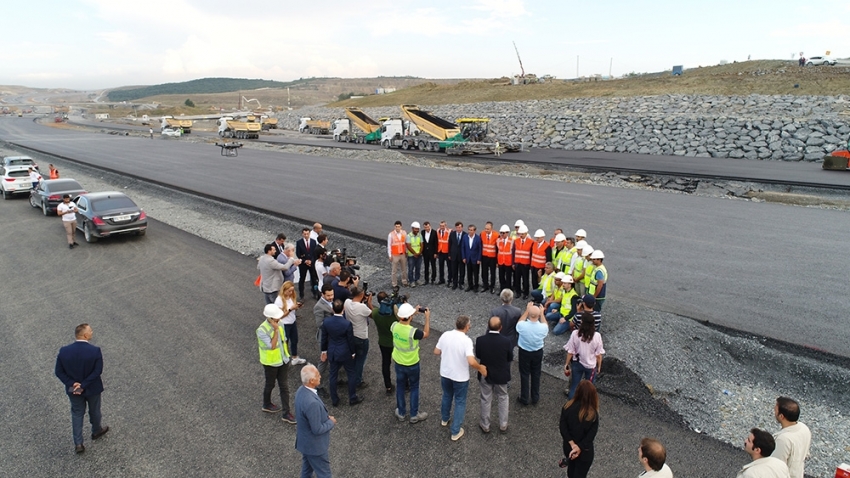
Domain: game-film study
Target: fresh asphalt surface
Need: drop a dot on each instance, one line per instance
(757, 267)
(175, 317)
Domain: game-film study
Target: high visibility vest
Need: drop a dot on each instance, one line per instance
(589, 269)
(405, 347)
(539, 254)
(579, 269)
(593, 281)
(505, 248)
(443, 241)
(567, 302)
(522, 252)
(488, 246)
(272, 357)
(398, 243)
(547, 284)
(415, 244)
(54, 174)
(570, 255)
(560, 259)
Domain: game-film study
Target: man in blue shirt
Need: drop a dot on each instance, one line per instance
(532, 330)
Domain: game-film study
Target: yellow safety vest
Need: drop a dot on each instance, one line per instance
(547, 284)
(405, 348)
(589, 269)
(592, 288)
(561, 260)
(272, 357)
(415, 244)
(567, 301)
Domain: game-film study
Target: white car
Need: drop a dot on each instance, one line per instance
(15, 180)
(170, 132)
(819, 60)
(19, 161)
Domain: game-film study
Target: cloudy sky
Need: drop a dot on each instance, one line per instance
(93, 44)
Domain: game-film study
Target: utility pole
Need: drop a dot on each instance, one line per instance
(576, 66)
(610, 67)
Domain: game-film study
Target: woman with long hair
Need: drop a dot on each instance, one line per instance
(578, 426)
(584, 353)
(287, 303)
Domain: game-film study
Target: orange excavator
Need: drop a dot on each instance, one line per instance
(838, 160)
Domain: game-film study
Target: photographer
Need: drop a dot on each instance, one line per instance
(341, 286)
(384, 317)
(357, 310)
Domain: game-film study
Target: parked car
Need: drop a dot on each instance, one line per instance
(819, 60)
(174, 133)
(49, 193)
(108, 214)
(20, 161)
(14, 180)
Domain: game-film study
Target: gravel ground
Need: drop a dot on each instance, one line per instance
(717, 382)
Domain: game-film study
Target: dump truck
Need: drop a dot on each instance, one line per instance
(268, 123)
(172, 123)
(231, 128)
(370, 130)
(309, 125)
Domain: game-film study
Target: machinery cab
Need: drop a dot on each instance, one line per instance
(474, 129)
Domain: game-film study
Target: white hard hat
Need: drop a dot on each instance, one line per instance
(523, 229)
(539, 233)
(272, 311)
(597, 254)
(405, 311)
(568, 278)
(560, 276)
(587, 250)
(519, 223)
(581, 232)
(415, 225)
(581, 244)
(560, 238)
(504, 228)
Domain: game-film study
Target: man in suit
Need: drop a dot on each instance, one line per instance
(430, 244)
(489, 237)
(79, 366)
(304, 250)
(456, 268)
(494, 351)
(321, 311)
(313, 433)
(278, 244)
(509, 315)
(470, 252)
(338, 348)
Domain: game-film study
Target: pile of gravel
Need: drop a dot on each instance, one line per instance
(717, 382)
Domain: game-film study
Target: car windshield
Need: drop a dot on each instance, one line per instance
(18, 174)
(59, 187)
(15, 162)
(109, 203)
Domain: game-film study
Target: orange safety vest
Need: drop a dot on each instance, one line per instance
(539, 255)
(488, 246)
(398, 247)
(54, 174)
(522, 252)
(506, 257)
(443, 241)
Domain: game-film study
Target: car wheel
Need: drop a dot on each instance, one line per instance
(90, 238)
(32, 201)
(44, 209)
(5, 195)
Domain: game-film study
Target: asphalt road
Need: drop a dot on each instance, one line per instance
(175, 316)
(772, 270)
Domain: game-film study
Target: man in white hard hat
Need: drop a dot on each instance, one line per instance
(522, 261)
(583, 270)
(515, 232)
(560, 253)
(406, 357)
(581, 235)
(576, 258)
(539, 257)
(599, 280)
(413, 245)
(505, 258)
(274, 356)
(489, 237)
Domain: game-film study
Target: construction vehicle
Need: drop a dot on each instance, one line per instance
(309, 125)
(838, 160)
(370, 130)
(231, 128)
(172, 123)
(268, 123)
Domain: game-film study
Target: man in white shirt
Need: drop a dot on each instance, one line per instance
(794, 440)
(652, 456)
(358, 309)
(67, 210)
(759, 445)
(456, 356)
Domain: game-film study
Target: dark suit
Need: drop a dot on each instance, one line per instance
(456, 269)
(495, 351)
(471, 255)
(81, 362)
(304, 251)
(509, 314)
(321, 311)
(278, 249)
(338, 342)
(429, 252)
(313, 433)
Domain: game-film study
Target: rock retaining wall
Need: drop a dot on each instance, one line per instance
(788, 128)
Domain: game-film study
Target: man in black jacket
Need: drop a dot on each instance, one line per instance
(304, 249)
(495, 351)
(457, 269)
(429, 252)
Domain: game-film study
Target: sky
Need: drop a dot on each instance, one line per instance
(97, 44)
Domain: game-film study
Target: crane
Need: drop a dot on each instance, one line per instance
(522, 70)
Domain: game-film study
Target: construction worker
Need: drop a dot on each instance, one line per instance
(522, 261)
(567, 309)
(413, 246)
(599, 280)
(406, 357)
(575, 257)
(560, 252)
(581, 235)
(497, 151)
(488, 258)
(553, 241)
(578, 268)
(588, 271)
(515, 232)
(546, 287)
(396, 251)
(505, 257)
(539, 256)
(443, 249)
(553, 302)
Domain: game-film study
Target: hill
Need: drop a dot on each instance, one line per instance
(200, 86)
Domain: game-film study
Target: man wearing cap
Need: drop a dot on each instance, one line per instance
(515, 233)
(413, 248)
(488, 258)
(539, 257)
(505, 258)
(67, 210)
(532, 331)
(522, 261)
(456, 265)
(430, 243)
(396, 250)
(406, 357)
(599, 279)
(443, 234)
(274, 356)
(471, 253)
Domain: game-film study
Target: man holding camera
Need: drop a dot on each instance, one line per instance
(406, 356)
(384, 317)
(357, 310)
(341, 285)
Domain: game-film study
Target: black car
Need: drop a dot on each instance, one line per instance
(108, 214)
(48, 194)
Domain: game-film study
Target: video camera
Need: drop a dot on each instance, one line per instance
(348, 263)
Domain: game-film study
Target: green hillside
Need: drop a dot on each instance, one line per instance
(201, 86)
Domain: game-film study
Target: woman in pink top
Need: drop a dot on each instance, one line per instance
(584, 353)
